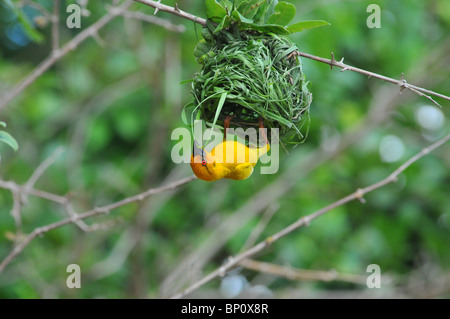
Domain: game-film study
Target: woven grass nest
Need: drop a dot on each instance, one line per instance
(250, 70)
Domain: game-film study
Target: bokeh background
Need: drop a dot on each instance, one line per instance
(111, 105)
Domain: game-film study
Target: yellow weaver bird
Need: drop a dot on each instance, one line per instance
(229, 159)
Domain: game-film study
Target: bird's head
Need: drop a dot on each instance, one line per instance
(204, 165)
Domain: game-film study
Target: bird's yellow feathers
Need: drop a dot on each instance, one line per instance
(229, 159)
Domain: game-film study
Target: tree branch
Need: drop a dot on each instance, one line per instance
(155, 20)
(43, 167)
(55, 25)
(402, 83)
(76, 217)
(162, 7)
(305, 221)
(23, 190)
(300, 274)
(259, 228)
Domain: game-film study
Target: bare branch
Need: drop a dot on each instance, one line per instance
(55, 25)
(306, 220)
(16, 210)
(402, 83)
(13, 187)
(77, 217)
(300, 274)
(257, 231)
(43, 167)
(155, 20)
(19, 197)
(132, 235)
(73, 215)
(162, 7)
(82, 225)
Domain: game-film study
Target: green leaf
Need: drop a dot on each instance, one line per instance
(2, 124)
(214, 11)
(8, 139)
(300, 26)
(266, 28)
(219, 108)
(239, 17)
(186, 109)
(225, 23)
(284, 13)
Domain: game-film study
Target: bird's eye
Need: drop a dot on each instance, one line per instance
(203, 162)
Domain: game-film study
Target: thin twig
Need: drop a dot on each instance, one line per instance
(14, 187)
(162, 7)
(19, 198)
(16, 210)
(43, 167)
(155, 20)
(132, 235)
(82, 225)
(257, 231)
(306, 220)
(74, 218)
(300, 274)
(402, 83)
(58, 54)
(55, 25)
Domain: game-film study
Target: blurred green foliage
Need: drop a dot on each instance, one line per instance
(113, 102)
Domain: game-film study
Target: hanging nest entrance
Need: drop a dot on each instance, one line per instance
(251, 70)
